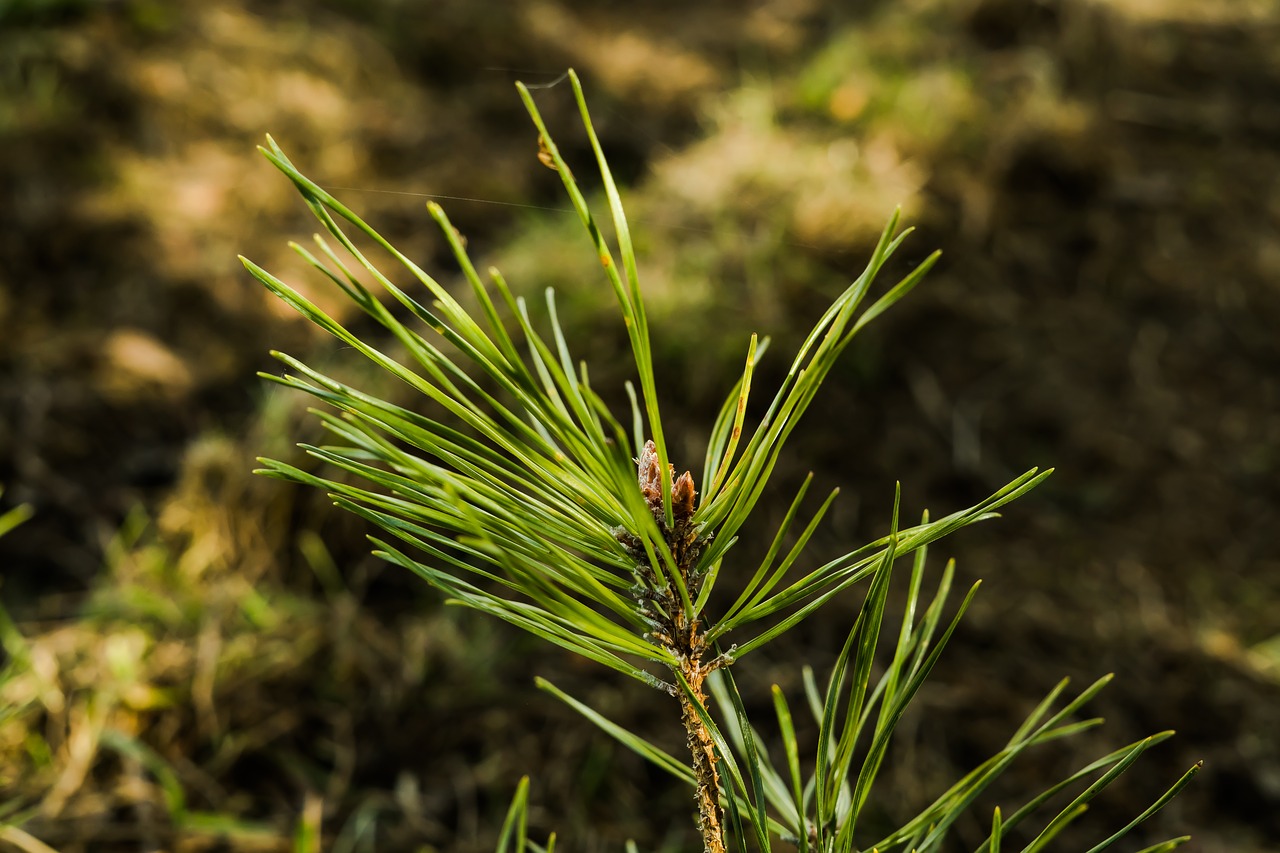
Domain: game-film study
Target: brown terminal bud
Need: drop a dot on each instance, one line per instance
(649, 474)
(682, 494)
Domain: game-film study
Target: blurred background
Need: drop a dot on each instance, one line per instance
(199, 659)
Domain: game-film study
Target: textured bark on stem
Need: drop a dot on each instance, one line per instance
(678, 631)
(707, 778)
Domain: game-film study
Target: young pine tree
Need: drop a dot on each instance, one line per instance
(517, 492)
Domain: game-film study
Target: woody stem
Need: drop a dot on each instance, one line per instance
(676, 628)
(702, 749)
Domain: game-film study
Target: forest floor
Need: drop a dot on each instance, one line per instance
(200, 659)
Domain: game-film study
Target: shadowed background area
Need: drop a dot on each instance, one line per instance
(199, 659)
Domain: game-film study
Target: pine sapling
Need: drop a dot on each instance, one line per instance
(515, 490)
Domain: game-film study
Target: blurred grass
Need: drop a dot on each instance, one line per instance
(193, 690)
(198, 656)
